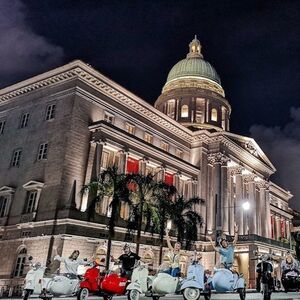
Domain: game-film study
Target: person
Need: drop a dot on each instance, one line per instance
(226, 249)
(174, 257)
(72, 262)
(128, 261)
(289, 264)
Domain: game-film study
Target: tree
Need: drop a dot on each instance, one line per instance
(185, 219)
(113, 185)
(163, 198)
(142, 198)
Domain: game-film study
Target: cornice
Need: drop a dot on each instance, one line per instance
(88, 75)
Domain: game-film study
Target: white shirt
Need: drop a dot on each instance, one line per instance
(71, 265)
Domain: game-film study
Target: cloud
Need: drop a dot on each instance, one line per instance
(282, 146)
(22, 52)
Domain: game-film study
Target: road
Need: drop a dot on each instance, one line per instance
(250, 296)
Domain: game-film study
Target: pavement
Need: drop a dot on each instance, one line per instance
(229, 296)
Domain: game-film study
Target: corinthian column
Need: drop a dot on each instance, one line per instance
(252, 215)
(239, 198)
(267, 221)
(219, 197)
(210, 205)
(261, 209)
(224, 195)
(122, 162)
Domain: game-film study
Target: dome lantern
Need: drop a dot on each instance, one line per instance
(195, 48)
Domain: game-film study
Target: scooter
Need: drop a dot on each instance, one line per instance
(140, 282)
(34, 281)
(193, 285)
(290, 280)
(104, 285)
(225, 280)
(61, 285)
(264, 279)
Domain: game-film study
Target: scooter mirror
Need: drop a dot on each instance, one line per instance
(30, 258)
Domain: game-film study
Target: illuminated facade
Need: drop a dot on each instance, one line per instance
(58, 130)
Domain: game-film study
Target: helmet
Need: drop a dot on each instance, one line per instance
(126, 246)
(221, 240)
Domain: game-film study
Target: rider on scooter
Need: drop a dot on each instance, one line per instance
(289, 264)
(128, 261)
(174, 257)
(226, 250)
(72, 262)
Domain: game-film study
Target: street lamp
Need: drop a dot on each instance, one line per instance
(246, 205)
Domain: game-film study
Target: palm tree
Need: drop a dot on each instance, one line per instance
(142, 197)
(113, 185)
(185, 219)
(163, 198)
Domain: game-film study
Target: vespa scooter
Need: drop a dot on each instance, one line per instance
(34, 280)
(105, 285)
(193, 285)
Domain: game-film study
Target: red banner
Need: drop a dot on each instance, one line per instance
(272, 226)
(132, 166)
(169, 178)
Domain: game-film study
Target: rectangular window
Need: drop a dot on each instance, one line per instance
(165, 146)
(30, 202)
(148, 138)
(50, 112)
(171, 108)
(130, 128)
(24, 120)
(43, 151)
(179, 153)
(2, 124)
(105, 160)
(16, 157)
(108, 118)
(3, 206)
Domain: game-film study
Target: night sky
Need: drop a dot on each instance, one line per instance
(253, 45)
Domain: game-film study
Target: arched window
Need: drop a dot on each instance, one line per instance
(184, 111)
(20, 263)
(214, 115)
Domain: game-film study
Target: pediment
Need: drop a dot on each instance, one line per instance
(32, 185)
(4, 190)
(250, 145)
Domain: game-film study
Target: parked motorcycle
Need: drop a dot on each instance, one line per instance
(104, 285)
(193, 285)
(34, 281)
(140, 282)
(225, 280)
(291, 280)
(264, 279)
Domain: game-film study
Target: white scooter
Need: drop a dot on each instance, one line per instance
(34, 281)
(193, 285)
(61, 285)
(225, 280)
(155, 287)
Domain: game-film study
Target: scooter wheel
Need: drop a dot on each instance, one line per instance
(267, 296)
(83, 294)
(133, 295)
(191, 294)
(242, 293)
(155, 297)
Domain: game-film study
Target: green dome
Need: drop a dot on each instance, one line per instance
(194, 67)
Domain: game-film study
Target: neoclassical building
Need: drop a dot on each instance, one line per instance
(59, 129)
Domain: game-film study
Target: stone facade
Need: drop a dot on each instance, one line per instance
(98, 123)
